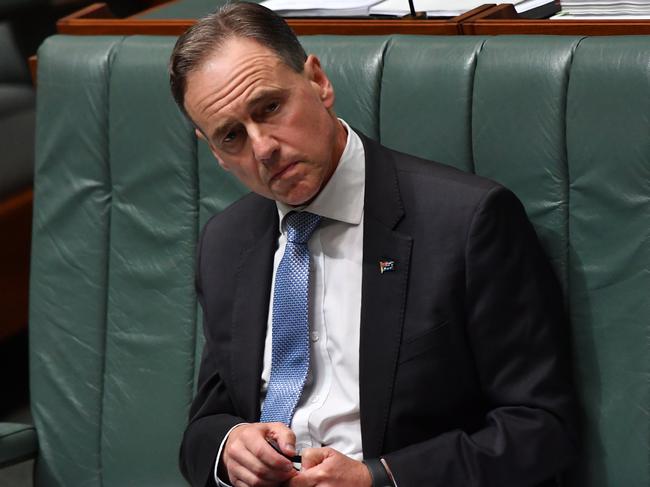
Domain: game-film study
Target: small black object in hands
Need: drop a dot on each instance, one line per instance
(276, 447)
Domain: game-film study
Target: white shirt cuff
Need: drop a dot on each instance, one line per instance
(219, 482)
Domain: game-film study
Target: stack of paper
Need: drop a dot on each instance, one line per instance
(316, 8)
(445, 8)
(601, 9)
(394, 8)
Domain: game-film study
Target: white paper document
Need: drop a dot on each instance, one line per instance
(604, 9)
(526, 5)
(329, 8)
(564, 15)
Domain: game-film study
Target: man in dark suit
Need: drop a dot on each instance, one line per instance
(447, 364)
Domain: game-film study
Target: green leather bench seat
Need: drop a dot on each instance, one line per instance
(123, 188)
(17, 442)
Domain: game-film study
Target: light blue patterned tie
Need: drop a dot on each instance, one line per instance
(290, 352)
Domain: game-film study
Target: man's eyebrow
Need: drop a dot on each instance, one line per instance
(259, 97)
(262, 96)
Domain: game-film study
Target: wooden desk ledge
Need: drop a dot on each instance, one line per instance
(504, 19)
(97, 19)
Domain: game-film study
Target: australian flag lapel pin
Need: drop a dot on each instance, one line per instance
(386, 266)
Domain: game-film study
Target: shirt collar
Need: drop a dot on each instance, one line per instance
(342, 197)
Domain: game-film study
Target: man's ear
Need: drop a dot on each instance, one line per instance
(200, 135)
(320, 81)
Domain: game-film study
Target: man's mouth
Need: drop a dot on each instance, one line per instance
(283, 171)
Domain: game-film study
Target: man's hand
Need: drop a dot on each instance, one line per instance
(326, 467)
(251, 462)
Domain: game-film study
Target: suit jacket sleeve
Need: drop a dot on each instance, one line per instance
(516, 329)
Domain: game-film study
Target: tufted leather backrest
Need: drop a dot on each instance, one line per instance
(123, 188)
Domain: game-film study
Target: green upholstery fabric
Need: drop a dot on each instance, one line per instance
(442, 86)
(70, 259)
(608, 146)
(17, 442)
(122, 190)
(150, 267)
(357, 78)
(519, 117)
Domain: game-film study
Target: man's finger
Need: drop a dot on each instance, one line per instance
(268, 455)
(284, 437)
(313, 456)
(255, 473)
(260, 469)
(252, 460)
(300, 480)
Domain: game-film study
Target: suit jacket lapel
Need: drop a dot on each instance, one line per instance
(253, 284)
(383, 295)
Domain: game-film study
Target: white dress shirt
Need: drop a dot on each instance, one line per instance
(327, 413)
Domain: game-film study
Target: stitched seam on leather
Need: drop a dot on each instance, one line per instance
(567, 245)
(470, 117)
(567, 185)
(380, 84)
(102, 386)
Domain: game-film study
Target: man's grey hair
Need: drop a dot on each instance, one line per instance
(240, 19)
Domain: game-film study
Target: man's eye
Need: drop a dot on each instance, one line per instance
(229, 137)
(272, 107)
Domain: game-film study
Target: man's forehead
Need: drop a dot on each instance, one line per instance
(234, 50)
(237, 76)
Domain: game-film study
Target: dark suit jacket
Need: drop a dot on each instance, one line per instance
(464, 379)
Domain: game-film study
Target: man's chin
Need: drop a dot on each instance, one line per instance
(295, 195)
(297, 199)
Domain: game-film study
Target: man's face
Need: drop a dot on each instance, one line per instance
(273, 128)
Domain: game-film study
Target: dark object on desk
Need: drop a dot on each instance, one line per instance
(412, 9)
(542, 12)
(416, 16)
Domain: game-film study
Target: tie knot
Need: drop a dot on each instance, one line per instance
(300, 226)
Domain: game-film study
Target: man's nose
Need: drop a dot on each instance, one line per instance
(265, 146)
